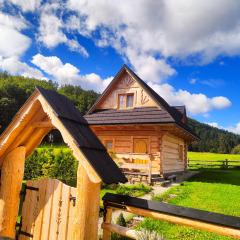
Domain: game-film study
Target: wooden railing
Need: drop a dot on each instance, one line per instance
(225, 164)
(203, 220)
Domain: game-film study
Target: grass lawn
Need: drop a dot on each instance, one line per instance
(212, 156)
(216, 191)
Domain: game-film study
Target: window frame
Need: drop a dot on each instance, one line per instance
(125, 95)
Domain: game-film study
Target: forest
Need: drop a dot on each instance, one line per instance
(14, 91)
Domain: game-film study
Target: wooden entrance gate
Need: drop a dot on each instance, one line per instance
(48, 210)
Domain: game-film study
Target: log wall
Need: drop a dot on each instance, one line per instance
(171, 161)
(123, 144)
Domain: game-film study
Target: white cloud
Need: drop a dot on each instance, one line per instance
(234, 129)
(15, 67)
(51, 32)
(193, 81)
(29, 5)
(12, 41)
(214, 124)
(69, 74)
(76, 47)
(197, 32)
(195, 103)
(149, 33)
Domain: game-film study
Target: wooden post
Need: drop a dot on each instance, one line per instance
(11, 182)
(150, 170)
(227, 163)
(108, 220)
(87, 207)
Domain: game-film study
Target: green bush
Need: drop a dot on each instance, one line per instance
(53, 164)
(236, 150)
(121, 220)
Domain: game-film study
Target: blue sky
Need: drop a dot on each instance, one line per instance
(188, 51)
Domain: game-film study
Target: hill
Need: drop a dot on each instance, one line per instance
(14, 91)
(212, 139)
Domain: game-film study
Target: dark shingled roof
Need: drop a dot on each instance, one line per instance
(135, 115)
(164, 114)
(86, 140)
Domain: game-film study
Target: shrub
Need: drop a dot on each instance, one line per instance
(53, 164)
(236, 150)
(121, 220)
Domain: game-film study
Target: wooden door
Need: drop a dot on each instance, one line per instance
(48, 210)
(140, 145)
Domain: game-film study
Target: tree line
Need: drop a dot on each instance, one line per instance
(14, 91)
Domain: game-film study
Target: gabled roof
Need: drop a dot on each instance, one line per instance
(165, 112)
(63, 115)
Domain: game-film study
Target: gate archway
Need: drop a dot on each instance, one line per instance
(44, 111)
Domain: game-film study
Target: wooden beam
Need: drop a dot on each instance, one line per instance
(85, 225)
(42, 124)
(226, 231)
(107, 220)
(123, 231)
(11, 183)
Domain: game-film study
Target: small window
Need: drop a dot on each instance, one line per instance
(129, 100)
(121, 101)
(181, 152)
(125, 101)
(109, 145)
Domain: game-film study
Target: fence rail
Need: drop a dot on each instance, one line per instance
(225, 164)
(203, 220)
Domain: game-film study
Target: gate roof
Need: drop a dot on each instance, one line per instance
(46, 110)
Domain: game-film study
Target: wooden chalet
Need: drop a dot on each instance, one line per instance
(146, 136)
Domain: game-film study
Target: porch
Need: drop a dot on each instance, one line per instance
(139, 167)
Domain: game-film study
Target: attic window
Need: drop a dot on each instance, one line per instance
(125, 100)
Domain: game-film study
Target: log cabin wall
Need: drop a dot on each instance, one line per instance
(123, 143)
(174, 154)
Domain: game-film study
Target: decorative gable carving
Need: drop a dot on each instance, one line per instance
(144, 97)
(126, 82)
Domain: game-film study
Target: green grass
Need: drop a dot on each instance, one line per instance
(215, 191)
(214, 160)
(212, 156)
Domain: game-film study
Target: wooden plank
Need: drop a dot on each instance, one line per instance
(107, 220)
(64, 214)
(71, 213)
(56, 210)
(28, 213)
(41, 185)
(123, 231)
(47, 210)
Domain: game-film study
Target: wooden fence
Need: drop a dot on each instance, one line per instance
(224, 164)
(203, 220)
